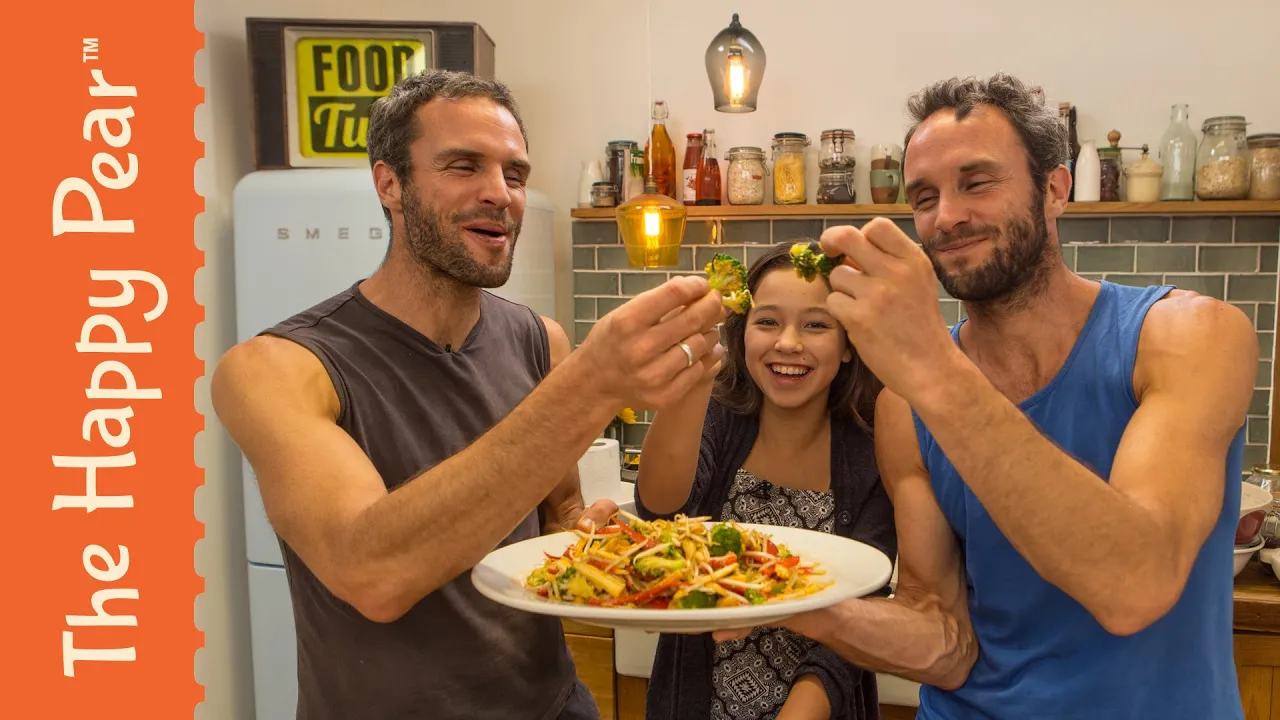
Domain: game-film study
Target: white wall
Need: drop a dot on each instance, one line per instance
(580, 70)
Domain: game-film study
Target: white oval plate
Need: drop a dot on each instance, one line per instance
(854, 569)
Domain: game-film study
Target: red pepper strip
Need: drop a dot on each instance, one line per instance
(773, 549)
(599, 563)
(543, 591)
(723, 561)
(609, 530)
(554, 557)
(645, 596)
(659, 604)
(631, 533)
(789, 561)
(768, 572)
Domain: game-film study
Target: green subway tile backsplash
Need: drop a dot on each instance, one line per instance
(1226, 257)
(1231, 258)
(1214, 286)
(1082, 230)
(1139, 230)
(745, 232)
(595, 233)
(1263, 230)
(636, 283)
(1255, 287)
(1104, 258)
(1167, 258)
(1202, 230)
(1255, 455)
(788, 230)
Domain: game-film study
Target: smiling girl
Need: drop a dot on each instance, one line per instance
(780, 436)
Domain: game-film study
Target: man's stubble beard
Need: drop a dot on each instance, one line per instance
(1017, 270)
(444, 251)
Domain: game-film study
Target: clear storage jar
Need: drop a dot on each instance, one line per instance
(789, 168)
(1222, 162)
(1264, 166)
(837, 150)
(744, 176)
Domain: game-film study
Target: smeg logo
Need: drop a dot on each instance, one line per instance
(340, 233)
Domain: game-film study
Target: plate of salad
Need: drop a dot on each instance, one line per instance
(682, 575)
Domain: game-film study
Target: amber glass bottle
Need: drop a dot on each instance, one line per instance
(660, 156)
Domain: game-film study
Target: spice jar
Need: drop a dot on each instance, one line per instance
(744, 176)
(789, 168)
(1109, 166)
(835, 187)
(1142, 179)
(1222, 162)
(1264, 166)
(604, 194)
(837, 150)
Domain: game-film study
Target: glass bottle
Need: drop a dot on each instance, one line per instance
(660, 156)
(1178, 155)
(1067, 115)
(708, 179)
(693, 150)
(1109, 165)
(1222, 161)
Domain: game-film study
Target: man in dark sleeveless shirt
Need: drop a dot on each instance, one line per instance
(1065, 466)
(406, 427)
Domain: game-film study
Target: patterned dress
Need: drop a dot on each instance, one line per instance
(752, 676)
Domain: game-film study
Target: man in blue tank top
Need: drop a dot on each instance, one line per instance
(1065, 466)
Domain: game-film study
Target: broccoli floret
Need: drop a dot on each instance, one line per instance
(725, 540)
(654, 565)
(696, 599)
(754, 597)
(810, 263)
(728, 277)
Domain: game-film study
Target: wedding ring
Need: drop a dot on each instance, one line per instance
(688, 353)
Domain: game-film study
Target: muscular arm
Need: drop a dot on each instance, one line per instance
(923, 632)
(1143, 530)
(383, 552)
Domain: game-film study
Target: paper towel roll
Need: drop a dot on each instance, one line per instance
(600, 470)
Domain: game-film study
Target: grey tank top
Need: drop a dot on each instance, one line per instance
(409, 405)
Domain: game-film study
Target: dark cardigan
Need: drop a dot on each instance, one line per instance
(680, 685)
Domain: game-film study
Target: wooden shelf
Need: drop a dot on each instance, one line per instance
(1199, 207)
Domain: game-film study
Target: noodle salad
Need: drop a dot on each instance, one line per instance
(677, 563)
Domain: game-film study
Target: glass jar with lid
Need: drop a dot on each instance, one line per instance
(837, 150)
(744, 176)
(789, 168)
(835, 187)
(1222, 162)
(1264, 166)
(1109, 166)
(1143, 178)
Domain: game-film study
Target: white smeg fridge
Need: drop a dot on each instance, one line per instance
(302, 235)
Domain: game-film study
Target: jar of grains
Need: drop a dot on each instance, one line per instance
(1222, 162)
(789, 168)
(744, 176)
(1264, 166)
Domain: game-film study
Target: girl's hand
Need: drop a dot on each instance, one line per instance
(806, 701)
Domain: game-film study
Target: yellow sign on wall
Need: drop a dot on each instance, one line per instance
(337, 81)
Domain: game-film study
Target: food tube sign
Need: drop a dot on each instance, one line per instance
(333, 77)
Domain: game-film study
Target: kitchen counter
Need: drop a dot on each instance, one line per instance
(1257, 595)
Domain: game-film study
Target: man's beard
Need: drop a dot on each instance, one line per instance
(1017, 268)
(444, 249)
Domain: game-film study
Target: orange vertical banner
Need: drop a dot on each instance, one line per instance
(99, 364)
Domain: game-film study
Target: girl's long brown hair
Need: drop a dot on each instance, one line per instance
(853, 391)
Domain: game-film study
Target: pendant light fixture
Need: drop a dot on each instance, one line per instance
(652, 224)
(735, 68)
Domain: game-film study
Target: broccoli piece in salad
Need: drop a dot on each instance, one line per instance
(725, 540)
(728, 277)
(696, 600)
(654, 565)
(810, 263)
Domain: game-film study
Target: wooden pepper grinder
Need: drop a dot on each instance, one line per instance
(1109, 162)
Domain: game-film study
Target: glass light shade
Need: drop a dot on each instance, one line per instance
(652, 227)
(735, 68)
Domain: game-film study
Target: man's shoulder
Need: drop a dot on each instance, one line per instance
(1183, 319)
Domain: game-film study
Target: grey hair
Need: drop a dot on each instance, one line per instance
(1044, 137)
(393, 122)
